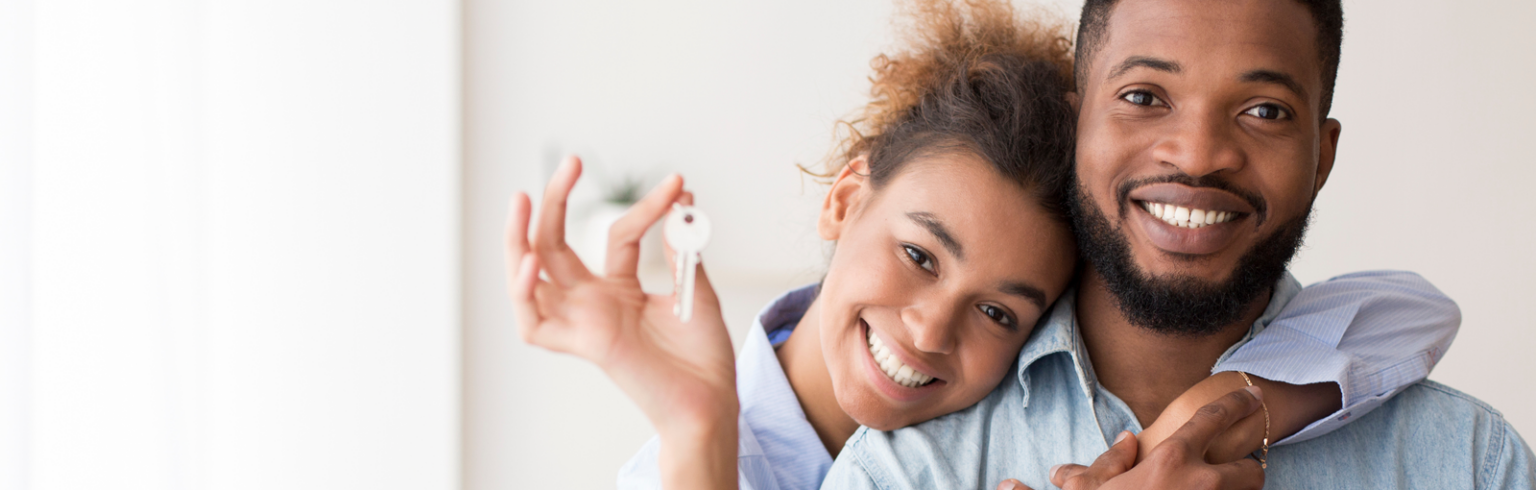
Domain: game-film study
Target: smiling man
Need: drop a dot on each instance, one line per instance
(1203, 140)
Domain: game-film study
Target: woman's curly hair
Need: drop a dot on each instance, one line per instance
(973, 76)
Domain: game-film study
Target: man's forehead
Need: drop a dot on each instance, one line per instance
(1236, 35)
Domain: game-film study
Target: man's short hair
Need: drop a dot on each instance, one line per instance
(1328, 15)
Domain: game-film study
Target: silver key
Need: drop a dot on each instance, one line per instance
(687, 231)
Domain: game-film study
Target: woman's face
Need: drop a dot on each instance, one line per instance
(937, 280)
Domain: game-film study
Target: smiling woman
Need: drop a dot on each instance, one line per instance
(950, 242)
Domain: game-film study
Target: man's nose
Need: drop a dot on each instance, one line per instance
(1200, 145)
(933, 325)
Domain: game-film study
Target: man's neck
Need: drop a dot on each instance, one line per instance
(806, 369)
(1147, 369)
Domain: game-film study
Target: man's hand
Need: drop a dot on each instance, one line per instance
(1179, 462)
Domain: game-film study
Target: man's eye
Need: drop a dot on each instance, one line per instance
(997, 315)
(1268, 111)
(1142, 98)
(919, 257)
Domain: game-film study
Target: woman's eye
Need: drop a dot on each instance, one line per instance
(919, 257)
(1142, 98)
(997, 315)
(1268, 111)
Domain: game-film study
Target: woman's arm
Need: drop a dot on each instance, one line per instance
(1335, 352)
(1291, 407)
(682, 375)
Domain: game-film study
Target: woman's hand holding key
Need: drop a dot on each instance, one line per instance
(681, 374)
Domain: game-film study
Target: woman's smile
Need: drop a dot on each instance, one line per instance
(897, 380)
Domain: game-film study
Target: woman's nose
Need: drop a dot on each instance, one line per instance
(933, 326)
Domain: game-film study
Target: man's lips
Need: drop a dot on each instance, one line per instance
(1203, 198)
(1186, 220)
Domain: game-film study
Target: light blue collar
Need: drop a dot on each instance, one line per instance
(1059, 333)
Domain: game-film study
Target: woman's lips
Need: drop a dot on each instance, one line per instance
(883, 383)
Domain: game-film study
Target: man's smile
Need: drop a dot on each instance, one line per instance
(1186, 220)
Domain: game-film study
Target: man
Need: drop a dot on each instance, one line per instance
(1197, 106)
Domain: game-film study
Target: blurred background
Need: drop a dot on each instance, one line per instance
(256, 244)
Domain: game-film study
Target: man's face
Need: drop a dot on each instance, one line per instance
(1200, 150)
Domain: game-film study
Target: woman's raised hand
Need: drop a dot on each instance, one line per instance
(682, 375)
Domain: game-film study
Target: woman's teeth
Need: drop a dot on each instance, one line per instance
(902, 374)
(1185, 217)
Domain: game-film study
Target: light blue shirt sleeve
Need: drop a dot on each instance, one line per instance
(1373, 333)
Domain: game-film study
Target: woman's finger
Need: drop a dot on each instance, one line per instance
(559, 261)
(625, 234)
(524, 307)
(516, 240)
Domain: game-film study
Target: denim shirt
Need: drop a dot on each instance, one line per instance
(1426, 436)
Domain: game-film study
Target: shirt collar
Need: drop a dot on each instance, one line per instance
(759, 377)
(1059, 333)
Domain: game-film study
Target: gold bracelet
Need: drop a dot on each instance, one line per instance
(1264, 457)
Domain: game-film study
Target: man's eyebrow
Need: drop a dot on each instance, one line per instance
(934, 226)
(1144, 62)
(1277, 78)
(1031, 293)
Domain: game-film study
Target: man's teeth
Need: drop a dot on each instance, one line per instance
(1185, 217)
(902, 374)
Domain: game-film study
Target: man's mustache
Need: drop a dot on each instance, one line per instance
(1260, 208)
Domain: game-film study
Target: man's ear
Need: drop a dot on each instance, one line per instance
(848, 193)
(1076, 101)
(1328, 148)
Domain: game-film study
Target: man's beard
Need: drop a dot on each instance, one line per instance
(1180, 305)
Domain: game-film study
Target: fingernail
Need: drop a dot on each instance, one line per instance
(1008, 485)
(1122, 436)
(1257, 393)
(1055, 469)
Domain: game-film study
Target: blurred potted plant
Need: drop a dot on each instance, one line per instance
(614, 199)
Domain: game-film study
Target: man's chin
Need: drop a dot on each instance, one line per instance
(1196, 296)
(1211, 269)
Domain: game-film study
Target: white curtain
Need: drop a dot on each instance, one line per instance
(229, 244)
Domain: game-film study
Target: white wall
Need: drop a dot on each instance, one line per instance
(243, 245)
(1434, 157)
(16, 68)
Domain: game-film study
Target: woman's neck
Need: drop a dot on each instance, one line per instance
(806, 369)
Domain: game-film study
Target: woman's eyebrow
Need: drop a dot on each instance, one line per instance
(931, 223)
(1033, 294)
